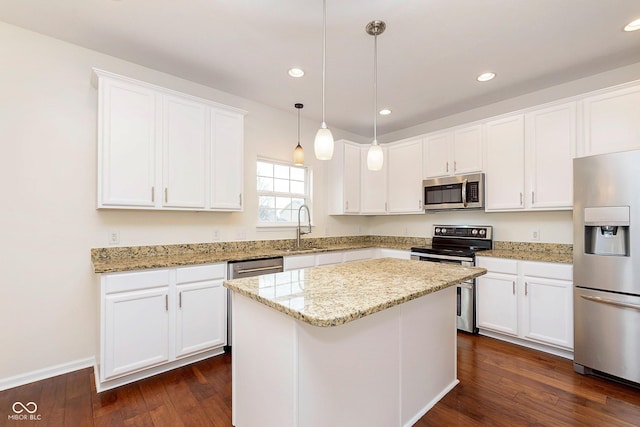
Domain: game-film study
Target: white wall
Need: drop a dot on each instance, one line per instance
(48, 220)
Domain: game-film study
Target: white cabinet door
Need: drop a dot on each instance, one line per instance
(343, 180)
(329, 258)
(201, 317)
(548, 311)
(227, 167)
(405, 177)
(184, 153)
(127, 132)
(467, 150)
(352, 178)
(612, 121)
(294, 262)
(551, 141)
(505, 164)
(358, 255)
(373, 185)
(436, 155)
(136, 331)
(497, 303)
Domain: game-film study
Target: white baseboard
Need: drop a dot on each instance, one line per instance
(42, 374)
(567, 354)
(431, 404)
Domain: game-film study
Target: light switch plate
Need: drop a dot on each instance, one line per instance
(114, 237)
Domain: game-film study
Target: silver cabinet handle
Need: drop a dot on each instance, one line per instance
(166, 302)
(240, 198)
(455, 166)
(180, 299)
(166, 195)
(520, 199)
(513, 285)
(419, 204)
(611, 302)
(526, 286)
(385, 206)
(153, 194)
(532, 197)
(447, 167)
(346, 204)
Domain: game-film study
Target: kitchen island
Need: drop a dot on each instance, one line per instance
(364, 343)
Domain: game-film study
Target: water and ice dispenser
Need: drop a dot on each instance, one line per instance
(606, 231)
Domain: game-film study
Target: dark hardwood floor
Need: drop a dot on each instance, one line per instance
(500, 385)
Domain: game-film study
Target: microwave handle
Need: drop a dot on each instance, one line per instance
(464, 193)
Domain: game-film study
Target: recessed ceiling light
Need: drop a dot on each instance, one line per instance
(633, 25)
(296, 72)
(385, 112)
(485, 77)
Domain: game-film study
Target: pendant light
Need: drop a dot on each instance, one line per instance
(375, 156)
(298, 154)
(323, 144)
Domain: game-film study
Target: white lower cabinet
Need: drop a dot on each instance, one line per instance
(156, 320)
(528, 301)
(201, 314)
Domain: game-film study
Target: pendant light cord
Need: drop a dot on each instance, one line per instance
(324, 55)
(298, 124)
(375, 89)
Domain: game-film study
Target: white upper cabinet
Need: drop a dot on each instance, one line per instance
(504, 179)
(160, 149)
(529, 159)
(127, 118)
(436, 154)
(404, 191)
(227, 160)
(344, 179)
(550, 135)
(184, 153)
(373, 184)
(454, 152)
(612, 121)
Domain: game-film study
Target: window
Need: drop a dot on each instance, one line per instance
(282, 189)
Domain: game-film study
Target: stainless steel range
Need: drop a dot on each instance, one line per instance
(458, 244)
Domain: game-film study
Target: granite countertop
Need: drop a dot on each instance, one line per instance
(562, 258)
(111, 260)
(336, 294)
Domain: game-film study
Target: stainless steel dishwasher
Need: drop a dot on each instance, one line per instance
(249, 268)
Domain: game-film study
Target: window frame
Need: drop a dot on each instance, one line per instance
(307, 196)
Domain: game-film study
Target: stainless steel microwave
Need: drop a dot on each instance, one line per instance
(454, 192)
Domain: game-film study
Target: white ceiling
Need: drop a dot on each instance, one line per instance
(428, 57)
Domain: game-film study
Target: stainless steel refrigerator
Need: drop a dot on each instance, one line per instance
(606, 264)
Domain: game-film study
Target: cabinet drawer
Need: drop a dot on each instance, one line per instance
(358, 255)
(299, 261)
(329, 258)
(121, 282)
(547, 269)
(200, 272)
(498, 265)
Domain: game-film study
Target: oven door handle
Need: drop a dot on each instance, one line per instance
(253, 270)
(611, 302)
(424, 257)
(464, 193)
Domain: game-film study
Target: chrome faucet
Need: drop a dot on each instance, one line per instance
(299, 230)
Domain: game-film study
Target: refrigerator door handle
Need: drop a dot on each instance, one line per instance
(611, 302)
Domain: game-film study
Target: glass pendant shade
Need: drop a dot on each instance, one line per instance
(323, 144)
(298, 156)
(375, 157)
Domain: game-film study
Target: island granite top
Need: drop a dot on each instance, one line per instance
(336, 294)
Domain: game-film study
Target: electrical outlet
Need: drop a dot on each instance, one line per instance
(114, 237)
(241, 234)
(216, 234)
(535, 234)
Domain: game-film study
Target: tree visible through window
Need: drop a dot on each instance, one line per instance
(282, 189)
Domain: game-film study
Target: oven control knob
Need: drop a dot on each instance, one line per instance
(482, 231)
(437, 230)
(474, 231)
(444, 231)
